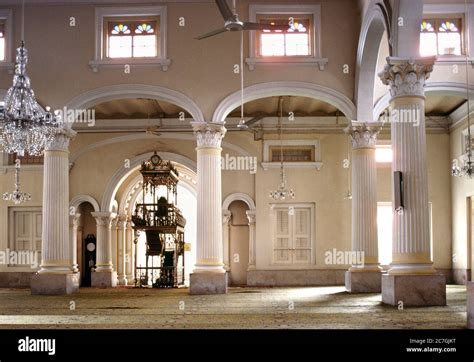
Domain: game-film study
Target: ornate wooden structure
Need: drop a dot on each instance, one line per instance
(163, 223)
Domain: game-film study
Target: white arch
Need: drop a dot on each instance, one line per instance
(79, 199)
(289, 88)
(122, 91)
(238, 196)
(373, 27)
(439, 88)
(142, 136)
(122, 173)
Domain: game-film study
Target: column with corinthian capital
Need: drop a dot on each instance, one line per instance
(104, 275)
(366, 277)
(209, 276)
(411, 279)
(56, 275)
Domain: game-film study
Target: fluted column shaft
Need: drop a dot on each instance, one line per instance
(226, 217)
(209, 198)
(364, 195)
(73, 225)
(129, 257)
(104, 241)
(121, 249)
(411, 229)
(251, 216)
(56, 246)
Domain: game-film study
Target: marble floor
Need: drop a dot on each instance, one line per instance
(241, 308)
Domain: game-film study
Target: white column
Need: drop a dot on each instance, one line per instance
(209, 275)
(209, 198)
(251, 216)
(104, 241)
(121, 249)
(113, 241)
(56, 248)
(73, 225)
(226, 217)
(411, 278)
(364, 278)
(56, 272)
(129, 257)
(411, 228)
(364, 195)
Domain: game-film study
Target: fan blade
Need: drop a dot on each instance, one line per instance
(225, 10)
(212, 33)
(260, 26)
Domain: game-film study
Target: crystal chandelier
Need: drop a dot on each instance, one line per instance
(464, 165)
(17, 196)
(25, 128)
(283, 192)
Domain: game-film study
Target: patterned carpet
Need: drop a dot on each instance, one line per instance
(241, 308)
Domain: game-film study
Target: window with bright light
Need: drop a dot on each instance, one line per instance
(441, 37)
(292, 38)
(132, 39)
(383, 154)
(2, 42)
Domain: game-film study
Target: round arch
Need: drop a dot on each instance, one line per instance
(291, 88)
(238, 196)
(439, 88)
(122, 173)
(121, 91)
(375, 24)
(80, 199)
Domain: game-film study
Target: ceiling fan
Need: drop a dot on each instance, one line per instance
(233, 23)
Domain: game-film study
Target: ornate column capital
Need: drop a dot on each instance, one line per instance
(104, 218)
(362, 135)
(251, 216)
(74, 220)
(226, 216)
(61, 139)
(209, 135)
(122, 221)
(407, 77)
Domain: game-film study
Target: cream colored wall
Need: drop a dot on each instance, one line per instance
(203, 70)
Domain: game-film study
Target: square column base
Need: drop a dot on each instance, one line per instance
(470, 305)
(104, 279)
(363, 282)
(208, 283)
(54, 284)
(414, 290)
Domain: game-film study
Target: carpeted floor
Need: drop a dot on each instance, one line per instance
(310, 307)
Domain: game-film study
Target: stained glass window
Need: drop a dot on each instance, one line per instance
(295, 40)
(132, 39)
(440, 37)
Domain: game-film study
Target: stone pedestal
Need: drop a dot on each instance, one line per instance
(414, 290)
(208, 283)
(54, 284)
(363, 281)
(470, 305)
(104, 279)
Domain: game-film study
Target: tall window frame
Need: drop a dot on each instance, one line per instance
(434, 28)
(130, 14)
(454, 10)
(258, 11)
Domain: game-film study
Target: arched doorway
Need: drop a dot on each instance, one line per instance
(238, 243)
